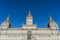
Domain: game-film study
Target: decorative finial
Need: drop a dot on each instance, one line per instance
(8, 18)
(29, 13)
(50, 17)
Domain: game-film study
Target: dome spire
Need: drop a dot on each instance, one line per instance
(8, 18)
(50, 17)
(29, 13)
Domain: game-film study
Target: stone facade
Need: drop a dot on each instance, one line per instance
(29, 31)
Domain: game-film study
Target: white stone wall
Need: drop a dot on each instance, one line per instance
(20, 34)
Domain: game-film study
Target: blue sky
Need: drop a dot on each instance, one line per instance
(40, 10)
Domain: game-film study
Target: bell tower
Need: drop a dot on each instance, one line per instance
(29, 19)
(29, 22)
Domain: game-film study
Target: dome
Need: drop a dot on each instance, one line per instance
(52, 24)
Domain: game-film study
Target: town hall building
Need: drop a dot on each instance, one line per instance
(29, 31)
